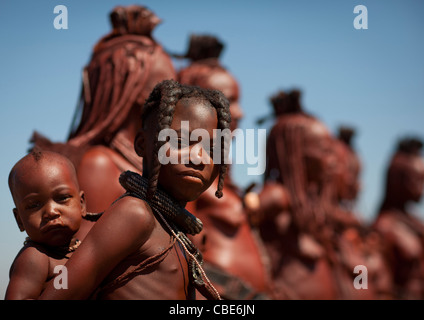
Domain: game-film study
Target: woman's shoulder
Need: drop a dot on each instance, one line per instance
(98, 156)
(101, 157)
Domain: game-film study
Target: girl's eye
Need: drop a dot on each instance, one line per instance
(211, 150)
(182, 143)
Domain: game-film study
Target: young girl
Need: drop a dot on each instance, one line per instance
(139, 246)
(232, 251)
(50, 208)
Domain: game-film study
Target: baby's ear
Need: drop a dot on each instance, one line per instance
(139, 143)
(83, 203)
(18, 220)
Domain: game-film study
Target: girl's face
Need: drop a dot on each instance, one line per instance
(49, 205)
(186, 180)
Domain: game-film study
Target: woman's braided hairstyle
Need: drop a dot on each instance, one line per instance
(162, 102)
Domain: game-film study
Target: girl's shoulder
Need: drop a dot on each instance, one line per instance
(134, 212)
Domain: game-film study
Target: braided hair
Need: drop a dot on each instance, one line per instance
(119, 76)
(285, 103)
(410, 145)
(162, 102)
(285, 163)
(204, 52)
(124, 66)
(204, 46)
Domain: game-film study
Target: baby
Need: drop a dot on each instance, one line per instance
(50, 208)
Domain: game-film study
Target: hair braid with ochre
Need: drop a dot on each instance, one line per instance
(162, 102)
(285, 160)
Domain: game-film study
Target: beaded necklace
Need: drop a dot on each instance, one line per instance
(62, 250)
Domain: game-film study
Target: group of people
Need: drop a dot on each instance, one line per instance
(319, 245)
(127, 226)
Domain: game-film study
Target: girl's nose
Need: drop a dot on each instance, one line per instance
(198, 155)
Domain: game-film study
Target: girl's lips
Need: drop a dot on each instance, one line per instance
(192, 174)
(192, 179)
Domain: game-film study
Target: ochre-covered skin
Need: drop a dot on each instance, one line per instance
(402, 232)
(124, 67)
(296, 199)
(228, 242)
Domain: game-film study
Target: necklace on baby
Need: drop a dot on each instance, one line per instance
(61, 250)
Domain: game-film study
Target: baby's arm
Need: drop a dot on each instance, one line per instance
(121, 230)
(28, 275)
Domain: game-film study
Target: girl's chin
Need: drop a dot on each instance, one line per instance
(188, 196)
(189, 189)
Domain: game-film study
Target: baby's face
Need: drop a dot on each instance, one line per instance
(49, 204)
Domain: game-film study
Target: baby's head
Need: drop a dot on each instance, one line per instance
(168, 106)
(49, 203)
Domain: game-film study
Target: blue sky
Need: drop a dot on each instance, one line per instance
(371, 79)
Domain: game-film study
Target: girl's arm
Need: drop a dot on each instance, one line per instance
(122, 229)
